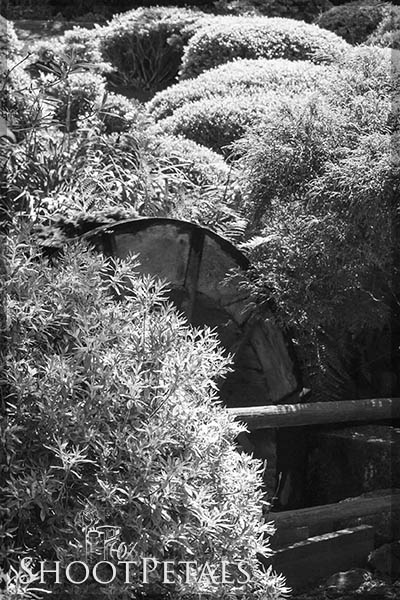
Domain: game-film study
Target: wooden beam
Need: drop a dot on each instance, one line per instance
(318, 413)
(319, 557)
(316, 518)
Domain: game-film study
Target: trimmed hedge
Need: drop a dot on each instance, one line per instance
(387, 34)
(145, 46)
(217, 122)
(201, 166)
(227, 38)
(305, 10)
(354, 21)
(241, 75)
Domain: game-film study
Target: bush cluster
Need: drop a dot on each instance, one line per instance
(145, 46)
(240, 76)
(323, 204)
(114, 420)
(10, 46)
(354, 21)
(227, 38)
(304, 10)
(387, 34)
(75, 97)
(216, 122)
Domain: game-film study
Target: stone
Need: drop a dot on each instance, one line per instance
(386, 559)
(346, 581)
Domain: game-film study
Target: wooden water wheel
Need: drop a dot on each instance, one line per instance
(195, 262)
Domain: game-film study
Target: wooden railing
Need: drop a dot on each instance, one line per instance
(318, 413)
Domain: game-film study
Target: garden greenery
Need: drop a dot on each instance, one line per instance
(238, 76)
(355, 21)
(145, 46)
(113, 403)
(113, 418)
(227, 38)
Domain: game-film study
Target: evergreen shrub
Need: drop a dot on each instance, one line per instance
(145, 46)
(114, 420)
(200, 165)
(304, 10)
(387, 34)
(216, 122)
(227, 38)
(240, 76)
(354, 21)
(75, 96)
(117, 113)
(10, 46)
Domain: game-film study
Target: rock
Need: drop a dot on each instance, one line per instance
(386, 559)
(345, 581)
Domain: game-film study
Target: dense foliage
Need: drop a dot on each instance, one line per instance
(305, 10)
(387, 34)
(113, 404)
(113, 419)
(355, 21)
(145, 46)
(227, 38)
(217, 122)
(324, 212)
(238, 77)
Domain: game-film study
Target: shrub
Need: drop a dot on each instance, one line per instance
(354, 21)
(76, 94)
(227, 38)
(117, 113)
(387, 34)
(327, 255)
(372, 68)
(294, 141)
(217, 122)
(293, 9)
(113, 420)
(145, 45)
(20, 101)
(201, 166)
(10, 46)
(241, 76)
(78, 46)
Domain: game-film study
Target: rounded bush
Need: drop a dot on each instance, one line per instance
(240, 76)
(144, 46)
(76, 97)
(200, 165)
(117, 113)
(293, 9)
(83, 44)
(372, 68)
(10, 46)
(113, 396)
(354, 21)
(387, 34)
(227, 38)
(217, 122)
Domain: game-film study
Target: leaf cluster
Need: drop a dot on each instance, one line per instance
(227, 38)
(113, 418)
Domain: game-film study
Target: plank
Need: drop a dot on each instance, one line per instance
(318, 557)
(318, 413)
(316, 518)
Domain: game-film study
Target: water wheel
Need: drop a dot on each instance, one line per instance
(195, 261)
